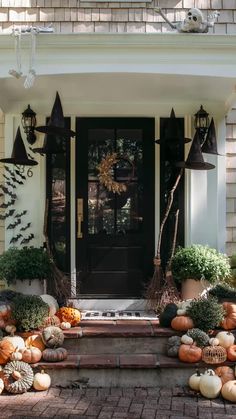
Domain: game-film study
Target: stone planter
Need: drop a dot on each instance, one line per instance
(30, 287)
(191, 288)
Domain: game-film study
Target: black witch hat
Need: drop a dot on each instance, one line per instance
(210, 145)
(19, 155)
(172, 131)
(195, 159)
(55, 127)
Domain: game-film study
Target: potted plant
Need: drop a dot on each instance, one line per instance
(197, 268)
(26, 269)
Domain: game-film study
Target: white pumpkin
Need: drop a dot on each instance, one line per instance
(65, 325)
(187, 340)
(51, 302)
(214, 342)
(16, 341)
(1, 385)
(210, 386)
(42, 381)
(10, 328)
(194, 381)
(228, 391)
(226, 339)
(181, 312)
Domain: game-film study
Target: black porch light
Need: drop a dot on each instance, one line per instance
(28, 121)
(201, 123)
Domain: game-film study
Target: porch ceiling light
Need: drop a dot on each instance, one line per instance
(201, 123)
(28, 121)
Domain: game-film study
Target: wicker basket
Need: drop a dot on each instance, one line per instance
(214, 354)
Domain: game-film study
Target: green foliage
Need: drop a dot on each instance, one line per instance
(29, 311)
(198, 336)
(200, 262)
(26, 263)
(223, 291)
(207, 314)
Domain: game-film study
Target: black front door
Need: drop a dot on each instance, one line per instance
(115, 229)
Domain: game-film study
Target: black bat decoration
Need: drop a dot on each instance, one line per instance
(7, 204)
(4, 189)
(11, 185)
(20, 214)
(19, 182)
(13, 225)
(12, 195)
(20, 174)
(7, 214)
(27, 239)
(1, 194)
(16, 238)
(6, 177)
(25, 227)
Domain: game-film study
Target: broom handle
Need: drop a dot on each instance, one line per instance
(168, 208)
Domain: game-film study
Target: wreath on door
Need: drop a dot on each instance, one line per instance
(105, 173)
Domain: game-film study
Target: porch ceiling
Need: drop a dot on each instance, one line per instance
(125, 70)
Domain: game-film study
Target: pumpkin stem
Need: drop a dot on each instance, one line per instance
(16, 375)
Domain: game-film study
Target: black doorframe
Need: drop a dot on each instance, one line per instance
(148, 125)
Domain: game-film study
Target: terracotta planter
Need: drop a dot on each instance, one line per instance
(190, 288)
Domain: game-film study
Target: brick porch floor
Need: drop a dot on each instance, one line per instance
(106, 403)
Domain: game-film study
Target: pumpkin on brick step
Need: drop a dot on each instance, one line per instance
(190, 353)
(229, 321)
(31, 355)
(17, 341)
(69, 314)
(169, 312)
(173, 345)
(182, 323)
(228, 391)
(35, 340)
(42, 381)
(54, 355)
(6, 349)
(53, 337)
(18, 377)
(225, 373)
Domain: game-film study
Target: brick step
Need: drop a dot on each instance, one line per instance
(122, 370)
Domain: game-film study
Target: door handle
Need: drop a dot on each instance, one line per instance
(80, 217)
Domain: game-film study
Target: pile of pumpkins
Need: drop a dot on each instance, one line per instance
(212, 383)
(16, 354)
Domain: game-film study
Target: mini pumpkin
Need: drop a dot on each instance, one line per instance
(18, 377)
(182, 323)
(31, 355)
(173, 345)
(42, 381)
(54, 355)
(16, 355)
(225, 373)
(187, 340)
(35, 340)
(189, 353)
(228, 391)
(52, 337)
(214, 342)
(6, 349)
(69, 314)
(229, 321)
(65, 325)
(10, 328)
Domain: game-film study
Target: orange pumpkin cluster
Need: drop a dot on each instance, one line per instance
(69, 314)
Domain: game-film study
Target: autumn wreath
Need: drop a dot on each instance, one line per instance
(105, 173)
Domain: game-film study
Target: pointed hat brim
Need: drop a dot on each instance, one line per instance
(19, 155)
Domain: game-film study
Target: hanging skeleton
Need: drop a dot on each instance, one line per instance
(32, 31)
(193, 23)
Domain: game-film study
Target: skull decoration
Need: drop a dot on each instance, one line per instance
(193, 22)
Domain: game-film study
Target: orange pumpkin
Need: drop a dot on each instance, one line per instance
(225, 373)
(182, 323)
(229, 321)
(231, 353)
(6, 349)
(31, 355)
(36, 341)
(69, 314)
(189, 353)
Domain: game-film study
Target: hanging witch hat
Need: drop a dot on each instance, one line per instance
(172, 131)
(19, 155)
(55, 127)
(210, 145)
(195, 159)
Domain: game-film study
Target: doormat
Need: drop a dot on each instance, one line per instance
(118, 315)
